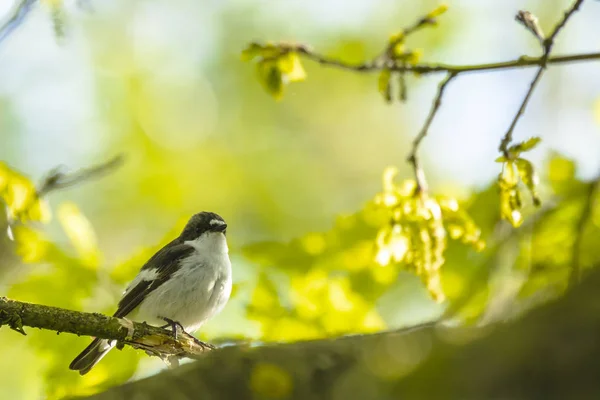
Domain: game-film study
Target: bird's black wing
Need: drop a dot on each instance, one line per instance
(165, 262)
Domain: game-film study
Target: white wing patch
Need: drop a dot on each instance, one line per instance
(143, 275)
(216, 222)
(148, 274)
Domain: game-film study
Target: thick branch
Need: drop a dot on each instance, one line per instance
(156, 341)
(551, 353)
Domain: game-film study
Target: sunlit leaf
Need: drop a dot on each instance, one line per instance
(81, 233)
(31, 245)
(441, 9)
(416, 236)
(413, 57)
(251, 51)
(561, 173)
(267, 51)
(529, 177)
(20, 197)
(291, 67)
(384, 86)
(527, 145)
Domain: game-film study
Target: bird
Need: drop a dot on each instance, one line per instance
(184, 284)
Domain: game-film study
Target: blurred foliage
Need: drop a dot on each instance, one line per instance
(277, 66)
(69, 277)
(417, 233)
(20, 197)
(356, 276)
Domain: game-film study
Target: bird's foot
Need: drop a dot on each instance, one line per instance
(173, 325)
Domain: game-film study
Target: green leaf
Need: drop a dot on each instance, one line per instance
(270, 77)
(527, 145)
(384, 86)
(291, 67)
(508, 174)
(529, 178)
(20, 197)
(441, 9)
(264, 51)
(501, 159)
(81, 233)
(252, 51)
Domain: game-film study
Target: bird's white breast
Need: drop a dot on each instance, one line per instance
(197, 291)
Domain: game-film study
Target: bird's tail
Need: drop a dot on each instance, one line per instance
(91, 355)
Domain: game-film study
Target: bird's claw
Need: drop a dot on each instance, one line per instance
(173, 325)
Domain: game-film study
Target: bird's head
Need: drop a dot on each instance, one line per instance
(204, 223)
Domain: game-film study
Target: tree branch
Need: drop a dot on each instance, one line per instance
(524, 359)
(413, 156)
(387, 62)
(59, 179)
(16, 18)
(431, 68)
(155, 341)
(547, 45)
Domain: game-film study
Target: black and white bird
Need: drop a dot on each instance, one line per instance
(186, 282)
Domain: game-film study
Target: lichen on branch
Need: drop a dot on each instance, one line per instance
(155, 341)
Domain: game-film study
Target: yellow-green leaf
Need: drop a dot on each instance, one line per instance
(20, 197)
(384, 84)
(265, 51)
(441, 9)
(527, 145)
(252, 51)
(508, 174)
(81, 233)
(529, 177)
(270, 77)
(291, 67)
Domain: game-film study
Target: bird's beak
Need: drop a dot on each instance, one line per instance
(219, 228)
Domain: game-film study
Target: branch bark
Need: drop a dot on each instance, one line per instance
(551, 353)
(155, 341)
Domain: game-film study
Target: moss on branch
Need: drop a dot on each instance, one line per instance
(155, 341)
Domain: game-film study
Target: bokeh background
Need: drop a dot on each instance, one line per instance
(162, 82)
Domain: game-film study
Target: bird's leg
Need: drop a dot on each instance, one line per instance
(173, 325)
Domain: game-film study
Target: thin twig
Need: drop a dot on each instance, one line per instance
(413, 158)
(16, 18)
(507, 139)
(549, 42)
(584, 217)
(431, 68)
(58, 179)
(547, 45)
